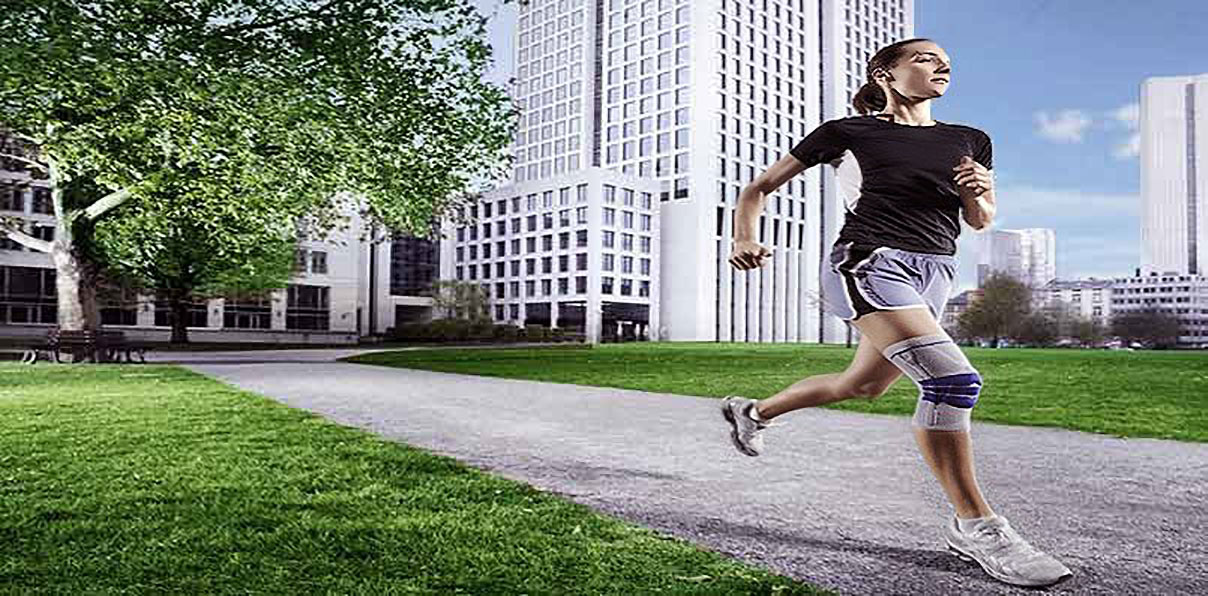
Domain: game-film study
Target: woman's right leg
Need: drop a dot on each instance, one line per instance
(869, 375)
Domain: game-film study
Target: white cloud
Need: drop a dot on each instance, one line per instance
(1129, 115)
(1130, 148)
(1066, 127)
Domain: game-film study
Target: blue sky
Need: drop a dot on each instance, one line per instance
(1056, 85)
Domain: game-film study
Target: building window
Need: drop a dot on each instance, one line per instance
(318, 261)
(626, 287)
(581, 261)
(196, 314)
(606, 285)
(581, 238)
(308, 307)
(42, 202)
(247, 312)
(581, 284)
(12, 198)
(581, 215)
(27, 295)
(608, 262)
(609, 239)
(300, 259)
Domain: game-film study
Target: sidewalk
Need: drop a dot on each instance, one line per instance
(840, 500)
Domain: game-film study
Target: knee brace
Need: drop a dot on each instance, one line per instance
(948, 383)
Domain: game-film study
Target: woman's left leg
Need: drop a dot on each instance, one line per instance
(949, 453)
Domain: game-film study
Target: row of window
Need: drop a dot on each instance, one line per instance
(310, 261)
(608, 240)
(608, 263)
(544, 288)
(28, 295)
(12, 198)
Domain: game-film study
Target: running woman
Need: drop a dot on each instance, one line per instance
(906, 178)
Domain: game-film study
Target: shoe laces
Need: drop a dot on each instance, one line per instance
(1006, 539)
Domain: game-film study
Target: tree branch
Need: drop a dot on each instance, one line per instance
(281, 21)
(31, 162)
(106, 203)
(22, 238)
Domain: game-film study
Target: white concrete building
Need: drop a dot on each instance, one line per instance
(576, 251)
(1174, 174)
(701, 96)
(341, 289)
(1178, 294)
(1090, 298)
(1028, 255)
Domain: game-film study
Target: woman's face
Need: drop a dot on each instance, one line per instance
(923, 72)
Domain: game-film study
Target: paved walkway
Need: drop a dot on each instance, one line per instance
(840, 500)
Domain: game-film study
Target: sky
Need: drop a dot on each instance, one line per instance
(1056, 84)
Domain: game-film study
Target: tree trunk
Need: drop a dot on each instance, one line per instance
(180, 318)
(68, 275)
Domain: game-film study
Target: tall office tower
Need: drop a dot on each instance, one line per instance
(1029, 255)
(1174, 175)
(851, 33)
(699, 98)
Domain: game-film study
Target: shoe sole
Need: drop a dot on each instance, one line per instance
(962, 555)
(728, 414)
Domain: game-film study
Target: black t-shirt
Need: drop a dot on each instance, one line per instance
(897, 179)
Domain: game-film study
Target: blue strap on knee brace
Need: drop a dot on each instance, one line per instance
(959, 391)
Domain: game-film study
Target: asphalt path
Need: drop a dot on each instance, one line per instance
(840, 500)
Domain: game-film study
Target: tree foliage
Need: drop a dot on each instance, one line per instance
(250, 112)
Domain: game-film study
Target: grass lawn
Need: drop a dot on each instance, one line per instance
(1161, 394)
(155, 479)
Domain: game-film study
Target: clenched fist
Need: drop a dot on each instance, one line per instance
(972, 179)
(748, 254)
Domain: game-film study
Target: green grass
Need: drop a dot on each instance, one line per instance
(1162, 394)
(153, 479)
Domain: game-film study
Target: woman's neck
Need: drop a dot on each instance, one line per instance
(918, 115)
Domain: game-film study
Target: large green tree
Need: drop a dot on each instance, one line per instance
(299, 104)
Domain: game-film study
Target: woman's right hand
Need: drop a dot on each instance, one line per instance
(748, 254)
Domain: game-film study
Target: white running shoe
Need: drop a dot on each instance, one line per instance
(745, 432)
(1003, 554)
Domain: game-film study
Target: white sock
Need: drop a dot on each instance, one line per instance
(967, 525)
(753, 414)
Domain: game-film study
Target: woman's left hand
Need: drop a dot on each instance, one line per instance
(972, 179)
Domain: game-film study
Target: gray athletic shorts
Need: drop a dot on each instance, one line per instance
(859, 280)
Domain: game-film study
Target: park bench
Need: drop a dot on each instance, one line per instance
(87, 345)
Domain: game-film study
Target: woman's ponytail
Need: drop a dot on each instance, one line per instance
(870, 97)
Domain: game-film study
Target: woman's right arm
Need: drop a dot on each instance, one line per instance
(824, 144)
(747, 253)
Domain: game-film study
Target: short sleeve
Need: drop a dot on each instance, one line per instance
(823, 145)
(985, 152)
